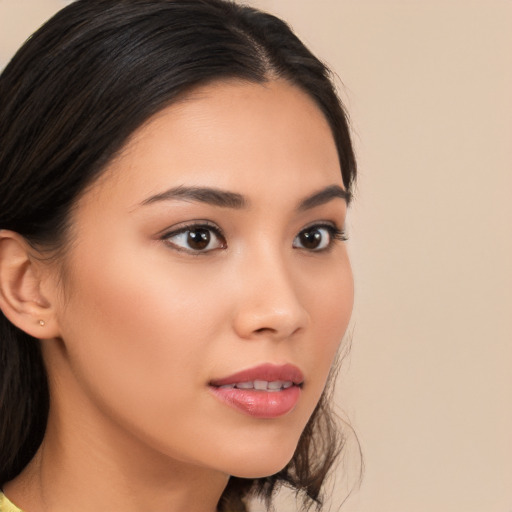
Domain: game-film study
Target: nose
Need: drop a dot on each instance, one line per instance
(268, 304)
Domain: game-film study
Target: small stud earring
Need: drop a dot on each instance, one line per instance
(42, 323)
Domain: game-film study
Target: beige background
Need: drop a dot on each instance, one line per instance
(428, 385)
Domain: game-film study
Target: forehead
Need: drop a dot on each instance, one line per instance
(249, 138)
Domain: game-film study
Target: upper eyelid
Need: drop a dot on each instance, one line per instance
(330, 226)
(323, 223)
(187, 225)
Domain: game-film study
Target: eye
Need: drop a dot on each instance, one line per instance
(318, 237)
(197, 238)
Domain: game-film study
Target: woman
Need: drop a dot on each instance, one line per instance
(174, 284)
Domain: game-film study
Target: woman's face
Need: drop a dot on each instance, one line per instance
(208, 259)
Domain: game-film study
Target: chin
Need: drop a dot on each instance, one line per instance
(263, 463)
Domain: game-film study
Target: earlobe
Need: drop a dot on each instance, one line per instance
(21, 299)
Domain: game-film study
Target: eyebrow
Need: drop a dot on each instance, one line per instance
(324, 196)
(226, 199)
(213, 196)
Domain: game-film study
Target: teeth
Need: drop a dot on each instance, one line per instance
(260, 385)
(245, 385)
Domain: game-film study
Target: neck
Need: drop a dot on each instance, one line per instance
(89, 465)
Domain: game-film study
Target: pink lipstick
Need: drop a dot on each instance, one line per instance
(265, 391)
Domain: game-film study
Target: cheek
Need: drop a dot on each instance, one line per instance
(330, 305)
(136, 333)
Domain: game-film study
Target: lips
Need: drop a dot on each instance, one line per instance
(264, 372)
(266, 391)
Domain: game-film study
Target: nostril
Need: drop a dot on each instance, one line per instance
(264, 330)
(273, 332)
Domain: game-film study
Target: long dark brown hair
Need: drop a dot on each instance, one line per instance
(69, 100)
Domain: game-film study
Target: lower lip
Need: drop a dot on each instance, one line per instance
(260, 404)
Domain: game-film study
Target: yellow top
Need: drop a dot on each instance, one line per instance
(6, 505)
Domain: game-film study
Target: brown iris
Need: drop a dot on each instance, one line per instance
(310, 239)
(198, 238)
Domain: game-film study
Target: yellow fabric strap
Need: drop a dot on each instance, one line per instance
(6, 505)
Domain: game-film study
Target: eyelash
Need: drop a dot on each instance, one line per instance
(196, 226)
(335, 234)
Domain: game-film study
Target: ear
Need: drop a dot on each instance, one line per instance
(21, 299)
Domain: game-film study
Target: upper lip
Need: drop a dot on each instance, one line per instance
(268, 372)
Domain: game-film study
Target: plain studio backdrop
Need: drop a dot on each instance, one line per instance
(428, 383)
